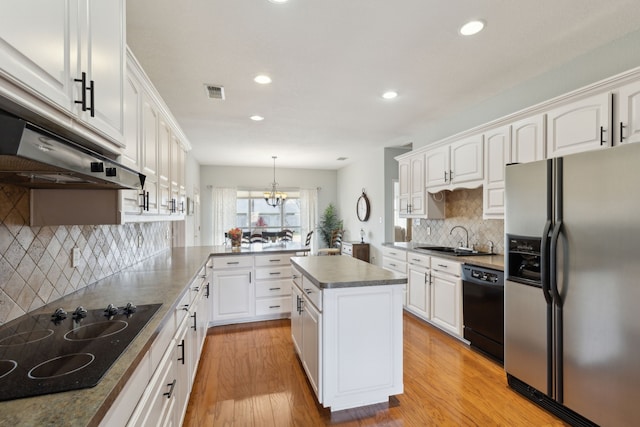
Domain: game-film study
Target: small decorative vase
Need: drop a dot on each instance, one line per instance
(235, 244)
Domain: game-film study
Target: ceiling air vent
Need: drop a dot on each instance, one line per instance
(214, 91)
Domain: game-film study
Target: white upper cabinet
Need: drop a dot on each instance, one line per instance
(579, 126)
(497, 147)
(457, 165)
(104, 62)
(527, 139)
(43, 67)
(628, 114)
(414, 202)
(66, 61)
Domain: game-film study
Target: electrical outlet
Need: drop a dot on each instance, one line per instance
(75, 257)
(380, 220)
(428, 231)
(139, 240)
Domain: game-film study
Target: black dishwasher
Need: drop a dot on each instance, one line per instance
(483, 309)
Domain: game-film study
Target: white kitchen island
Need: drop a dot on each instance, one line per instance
(346, 325)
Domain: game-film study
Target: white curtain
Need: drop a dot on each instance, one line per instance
(309, 215)
(224, 212)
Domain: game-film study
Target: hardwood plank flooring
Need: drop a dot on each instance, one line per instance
(249, 375)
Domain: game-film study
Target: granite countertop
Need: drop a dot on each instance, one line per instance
(163, 279)
(328, 272)
(258, 248)
(489, 261)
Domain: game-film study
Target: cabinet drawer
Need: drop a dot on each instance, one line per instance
(347, 249)
(273, 306)
(297, 276)
(312, 292)
(394, 265)
(390, 252)
(445, 266)
(422, 260)
(273, 288)
(267, 260)
(273, 272)
(232, 262)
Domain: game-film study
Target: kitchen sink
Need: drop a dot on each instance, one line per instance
(454, 251)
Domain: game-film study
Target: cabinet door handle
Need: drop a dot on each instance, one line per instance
(196, 289)
(83, 90)
(445, 176)
(181, 345)
(185, 307)
(426, 277)
(146, 202)
(602, 141)
(309, 291)
(171, 387)
(298, 303)
(92, 91)
(207, 294)
(301, 302)
(450, 175)
(622, 126)
(195, 321)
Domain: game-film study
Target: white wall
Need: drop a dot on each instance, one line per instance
(261, 178)
(192, 183)
(606, 61)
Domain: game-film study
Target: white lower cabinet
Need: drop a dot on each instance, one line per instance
(395, 259)
(233, 290)
(435, 291)
(419, 285)
(249, 288)
(156, 406)
(349, 341)
(446, 295)
(157, 393)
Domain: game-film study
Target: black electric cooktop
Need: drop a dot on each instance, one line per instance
(51, 353)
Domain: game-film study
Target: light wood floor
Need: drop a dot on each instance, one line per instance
(249, 375)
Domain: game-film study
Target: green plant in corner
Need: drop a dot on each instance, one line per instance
(328, 222)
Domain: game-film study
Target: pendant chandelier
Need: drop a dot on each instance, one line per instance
(274, 197)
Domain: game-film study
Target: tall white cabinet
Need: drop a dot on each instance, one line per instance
(69, 65)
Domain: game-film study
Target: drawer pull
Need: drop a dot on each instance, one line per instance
(233, 262)
(274, 306)
(392, 264)
(196, 289)
(275, 273)
(309, 291)
(274, 289)
(181, 345)
(185, 307)
(170, 392)
(275, 260)
(443, 266)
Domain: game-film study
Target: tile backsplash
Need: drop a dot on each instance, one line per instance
(463, 207)
(35, 262)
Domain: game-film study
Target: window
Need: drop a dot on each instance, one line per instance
(254, 215)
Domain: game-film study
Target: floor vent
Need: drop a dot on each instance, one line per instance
(214, 92)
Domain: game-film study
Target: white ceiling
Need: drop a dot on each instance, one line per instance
(330, 60)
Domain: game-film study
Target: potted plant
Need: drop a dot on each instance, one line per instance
(329, 221)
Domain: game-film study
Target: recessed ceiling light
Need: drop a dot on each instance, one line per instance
(471, 28)
(256, 118)
(278, 1)
(263, 79)
(390, 94)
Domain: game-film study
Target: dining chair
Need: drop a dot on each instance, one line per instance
(336, 243)
(287, 235)
(307, 242)
(257, 238)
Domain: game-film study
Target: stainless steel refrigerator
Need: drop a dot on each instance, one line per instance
(572, 288)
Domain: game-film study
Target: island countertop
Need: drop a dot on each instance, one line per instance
(328, 272)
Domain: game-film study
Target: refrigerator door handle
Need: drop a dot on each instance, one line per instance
(553, 263)
(544, 263)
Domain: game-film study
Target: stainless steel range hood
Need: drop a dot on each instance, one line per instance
(36, 158)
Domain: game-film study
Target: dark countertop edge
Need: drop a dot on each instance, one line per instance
(400, 279)
(489, 261)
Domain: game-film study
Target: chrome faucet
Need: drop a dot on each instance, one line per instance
(466, 233)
